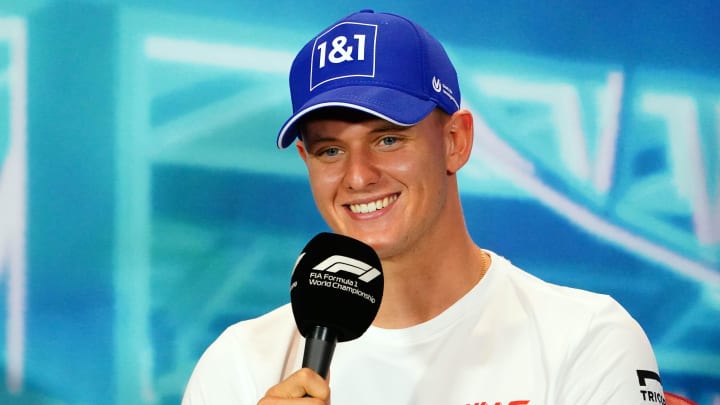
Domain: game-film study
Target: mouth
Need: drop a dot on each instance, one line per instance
(366, 208)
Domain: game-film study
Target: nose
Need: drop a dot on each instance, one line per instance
(361, 170)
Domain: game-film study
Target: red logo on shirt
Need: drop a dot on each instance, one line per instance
(522, 402)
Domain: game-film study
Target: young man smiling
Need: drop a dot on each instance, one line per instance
(377, 121)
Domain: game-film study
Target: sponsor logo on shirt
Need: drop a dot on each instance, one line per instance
(521, 402)
(650, 387)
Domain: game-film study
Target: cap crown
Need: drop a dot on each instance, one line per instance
(380, 63)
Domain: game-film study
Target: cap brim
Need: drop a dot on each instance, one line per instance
(391, 105)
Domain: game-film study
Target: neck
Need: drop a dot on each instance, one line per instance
(421, 286)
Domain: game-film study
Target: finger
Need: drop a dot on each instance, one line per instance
(299, 384)
(316, 386)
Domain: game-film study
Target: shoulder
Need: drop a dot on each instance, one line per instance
(555, 303)
(245, 360)
(269, 324)
(598, 347)
(568, 318)
(257, 337)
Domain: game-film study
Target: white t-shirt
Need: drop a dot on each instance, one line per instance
(512, 340)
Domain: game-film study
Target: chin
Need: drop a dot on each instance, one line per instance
(383, 248)
(369, 239)
(381, 242)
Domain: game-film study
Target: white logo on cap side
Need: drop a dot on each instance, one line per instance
(437, 84)
(440, 87)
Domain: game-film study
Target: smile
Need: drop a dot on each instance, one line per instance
(373, 206)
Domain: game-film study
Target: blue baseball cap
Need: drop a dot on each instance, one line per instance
(379, 63)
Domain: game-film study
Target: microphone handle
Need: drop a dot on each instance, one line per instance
(319, 349)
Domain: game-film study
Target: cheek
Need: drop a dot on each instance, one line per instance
(323, 183)
(417, 166)
(428, 175)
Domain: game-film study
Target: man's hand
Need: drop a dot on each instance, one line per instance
(302, 387)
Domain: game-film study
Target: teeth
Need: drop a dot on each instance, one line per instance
(372, 206)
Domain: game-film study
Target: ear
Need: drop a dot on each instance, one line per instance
(301, 150)
(459, 132)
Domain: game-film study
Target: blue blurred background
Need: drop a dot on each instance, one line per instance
(144, 206)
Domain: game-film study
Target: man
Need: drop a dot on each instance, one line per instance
(378, 123)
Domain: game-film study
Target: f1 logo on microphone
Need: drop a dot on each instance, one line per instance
(336, 263)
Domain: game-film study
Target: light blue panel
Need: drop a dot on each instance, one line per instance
(4, 100)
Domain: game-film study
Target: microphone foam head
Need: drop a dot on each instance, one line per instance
(338, 283)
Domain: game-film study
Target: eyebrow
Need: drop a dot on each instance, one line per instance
(309, 140)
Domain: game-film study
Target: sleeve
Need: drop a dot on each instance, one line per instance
(219, 377)
(614, 364)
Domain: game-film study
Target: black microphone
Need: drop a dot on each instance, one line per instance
(335, 292)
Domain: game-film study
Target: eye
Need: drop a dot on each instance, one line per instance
(389, 140)
(329, 152)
